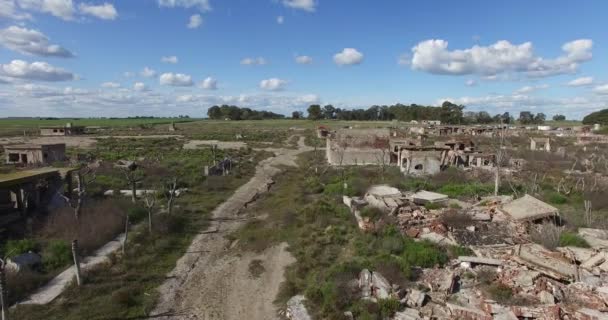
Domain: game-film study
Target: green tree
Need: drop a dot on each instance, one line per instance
(600, 117)
(540, 118)
(559, 117)
(214, 113)
(314, 112)
(526, 117)
(329, 112)
(296, 115)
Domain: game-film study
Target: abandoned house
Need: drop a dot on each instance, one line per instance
(67, 130)
(358, 147)
(34, 154)
(23, 191)
(540, 144)
(377, 147)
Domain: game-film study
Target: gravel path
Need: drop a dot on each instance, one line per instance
(212, 281)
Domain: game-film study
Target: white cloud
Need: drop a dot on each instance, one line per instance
(8, 10)
(579, 82)
(280, 19)
(603, 89)
(273, 84)
(202, 5)
(169, 59)
(128, 74)
(41, 71)
(104, 11)
(148, 73)
(209, 84)
(31, 42)
(140, 86)
(63, 9)
(253, 61)
(195, 21)
(176, 80)
(110, 85)
(306, 5)
(303, 60)
(348, 56)
(530, 89)
(434, 57)
(471, 83)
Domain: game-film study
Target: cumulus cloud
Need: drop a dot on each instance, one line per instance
(280, 19)
(253, 61)
(530, 89)
(148, 73)
(104, 11)
(63, 9)
(140, 86)
(110, 85)
(209, 84)
(195, 21)
(603, 89)
(176, 80)
(348, 56)
(9, 10)
(273, 84)
(31, 42)
(433, 56)
(306, 5)
(202, 5)
(303, 60)
(41, 71)
(169, 59)
(471, 83)
(579, 82)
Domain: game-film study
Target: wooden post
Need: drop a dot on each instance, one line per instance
(76, 262)
(124, 242)
(3, 298)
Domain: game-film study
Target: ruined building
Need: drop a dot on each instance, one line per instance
(34, 154)
(67, 130)
(378, 147)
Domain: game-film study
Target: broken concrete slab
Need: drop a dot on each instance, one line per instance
(479, 260)
(415, 298)
(423, 197)
(538, 258)
(296, 310)
(365, 283)
(596, 238)
(408, 314)
(528, 208)
(438, 239)
(467, 313)
(546, 298)
(590, 314)
(595, 260)
(381, 288)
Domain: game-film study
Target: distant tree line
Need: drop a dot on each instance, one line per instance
(600, 117)
(447, 113)
(235, 113)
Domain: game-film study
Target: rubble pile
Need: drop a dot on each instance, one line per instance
(508, 277)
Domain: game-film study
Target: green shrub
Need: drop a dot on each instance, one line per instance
(569, 239)
(556, 198)
(455, 190)
(433, 206)
(16, 247)
(423, 254)
(388, 307)
(371, 213)
(137, 214)
(57, 254)
(457, 251)
(500, 293)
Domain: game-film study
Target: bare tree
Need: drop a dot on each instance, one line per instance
(84, 177)
(588, 213)
(149, 203)
(500, 155)
(170, 194)
(124, 241)
(133, 176)
(76, 262)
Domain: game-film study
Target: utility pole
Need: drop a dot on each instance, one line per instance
(3, 297)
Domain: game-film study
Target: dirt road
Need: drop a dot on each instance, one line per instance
(212, 281)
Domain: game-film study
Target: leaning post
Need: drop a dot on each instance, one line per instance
(3, 296)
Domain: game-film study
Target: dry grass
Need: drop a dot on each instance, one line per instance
(99, 223)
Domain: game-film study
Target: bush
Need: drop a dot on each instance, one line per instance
(372, 213)
(500, 293)
(569, 239)
(137, 214)
(57, 254)
(16, 247)
(388, 307)
(433, 206)
(547, 234)
(556, 198)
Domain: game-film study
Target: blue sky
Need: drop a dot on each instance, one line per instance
(86, 58)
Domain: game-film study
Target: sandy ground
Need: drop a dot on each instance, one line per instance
(212, 280)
